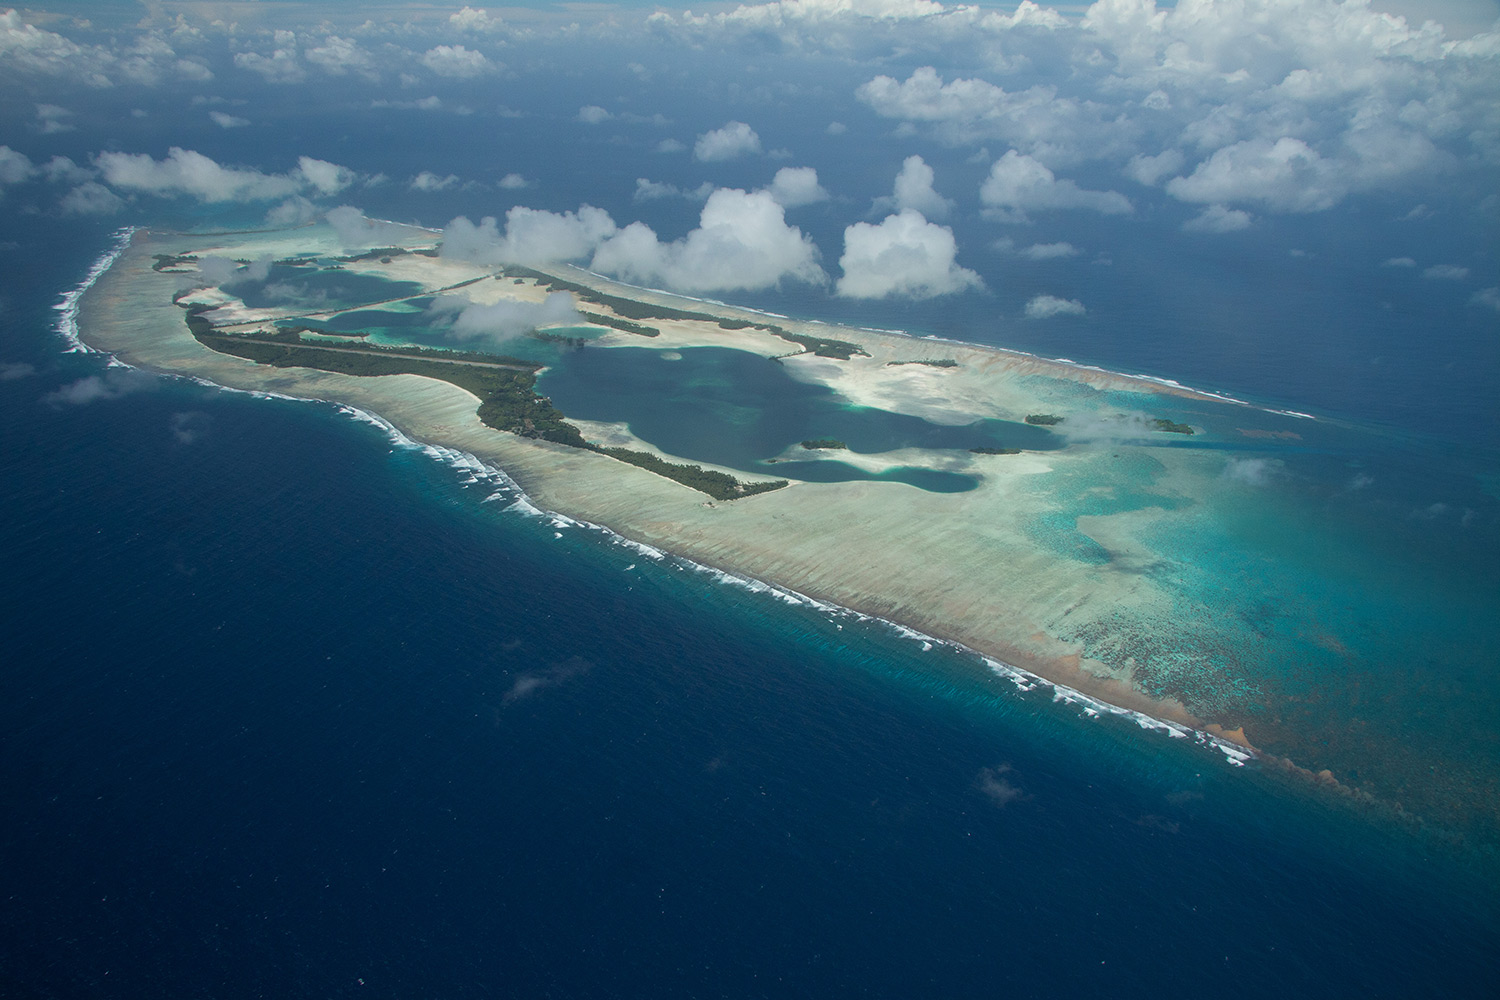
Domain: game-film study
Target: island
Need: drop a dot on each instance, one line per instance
(662, 418)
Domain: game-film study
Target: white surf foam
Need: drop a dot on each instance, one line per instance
(67, 323)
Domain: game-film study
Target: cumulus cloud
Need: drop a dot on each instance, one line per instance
(224, 120)
(1148, 170)
(52, 119)
(998, 788)
(223, 272)
(15, 167)
(530, 682)
(513, 182)
(113, 384)
(186, 172)
(1218, 219)
(1286, 175)
(1049, 251)
(11, 371)
(531, 236)
(355, 230)
(649, 190)
(1446, 272)
(456, 61)
(189, 427)
(1047, 306)
(1019, 184)
(429, 181)
(337, 56)
(670, 146)
(474, 19)
(742, 242)
(1398, 262)
(505, 319)
(1252, 471)
(735, 139)
(1487, 297)
(905, 255)
(796, 186)
(1037, 120)
(592, 114)
(913, 190)
(91, 198)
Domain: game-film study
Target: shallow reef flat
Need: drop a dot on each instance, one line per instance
(1129, 560)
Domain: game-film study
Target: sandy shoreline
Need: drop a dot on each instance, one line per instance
(959, 567)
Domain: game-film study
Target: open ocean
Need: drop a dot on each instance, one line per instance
(291, 709)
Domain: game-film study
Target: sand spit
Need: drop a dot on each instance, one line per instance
(967, 567)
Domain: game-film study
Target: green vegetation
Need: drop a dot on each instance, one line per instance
(623, 325)
(1163, 424)
(996, 451)
(167, 260)
(1043, 419)
(824, 444)
(823, 347)
(506, 388)
(383, 254)
(943, 363)
(719, 485)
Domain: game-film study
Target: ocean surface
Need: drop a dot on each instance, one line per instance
(293, 709)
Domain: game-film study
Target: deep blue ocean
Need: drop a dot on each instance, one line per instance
(290, 710)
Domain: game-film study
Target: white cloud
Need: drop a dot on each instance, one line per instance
(356, 231)
(592, 114)
(735, 139)
(796, 186)
(91, 198)
(905, 255)
(53, 119)
(292, 212)
(1252, 471)
(113, 384)
(1286, 175)
(61, 169)
(670, 146)
(474, 19)
(184, 171)
(1218, 219)
(15, 166)
(1042, 251)
(505, 319)
(1037, 120)
(1398, 262)
(337, 56)
(742, 242)
(328, 178)
(227, 120)
(429, 181)
(281, 66)
(649, 190)
(913, 190)
(1488, 297)
(456, 61)
(532, 236)
(1446, 272)
(1046, 306)
(1018, 184)
(1148, 170)
(513, 182)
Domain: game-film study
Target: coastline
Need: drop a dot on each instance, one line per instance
(920, 578)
